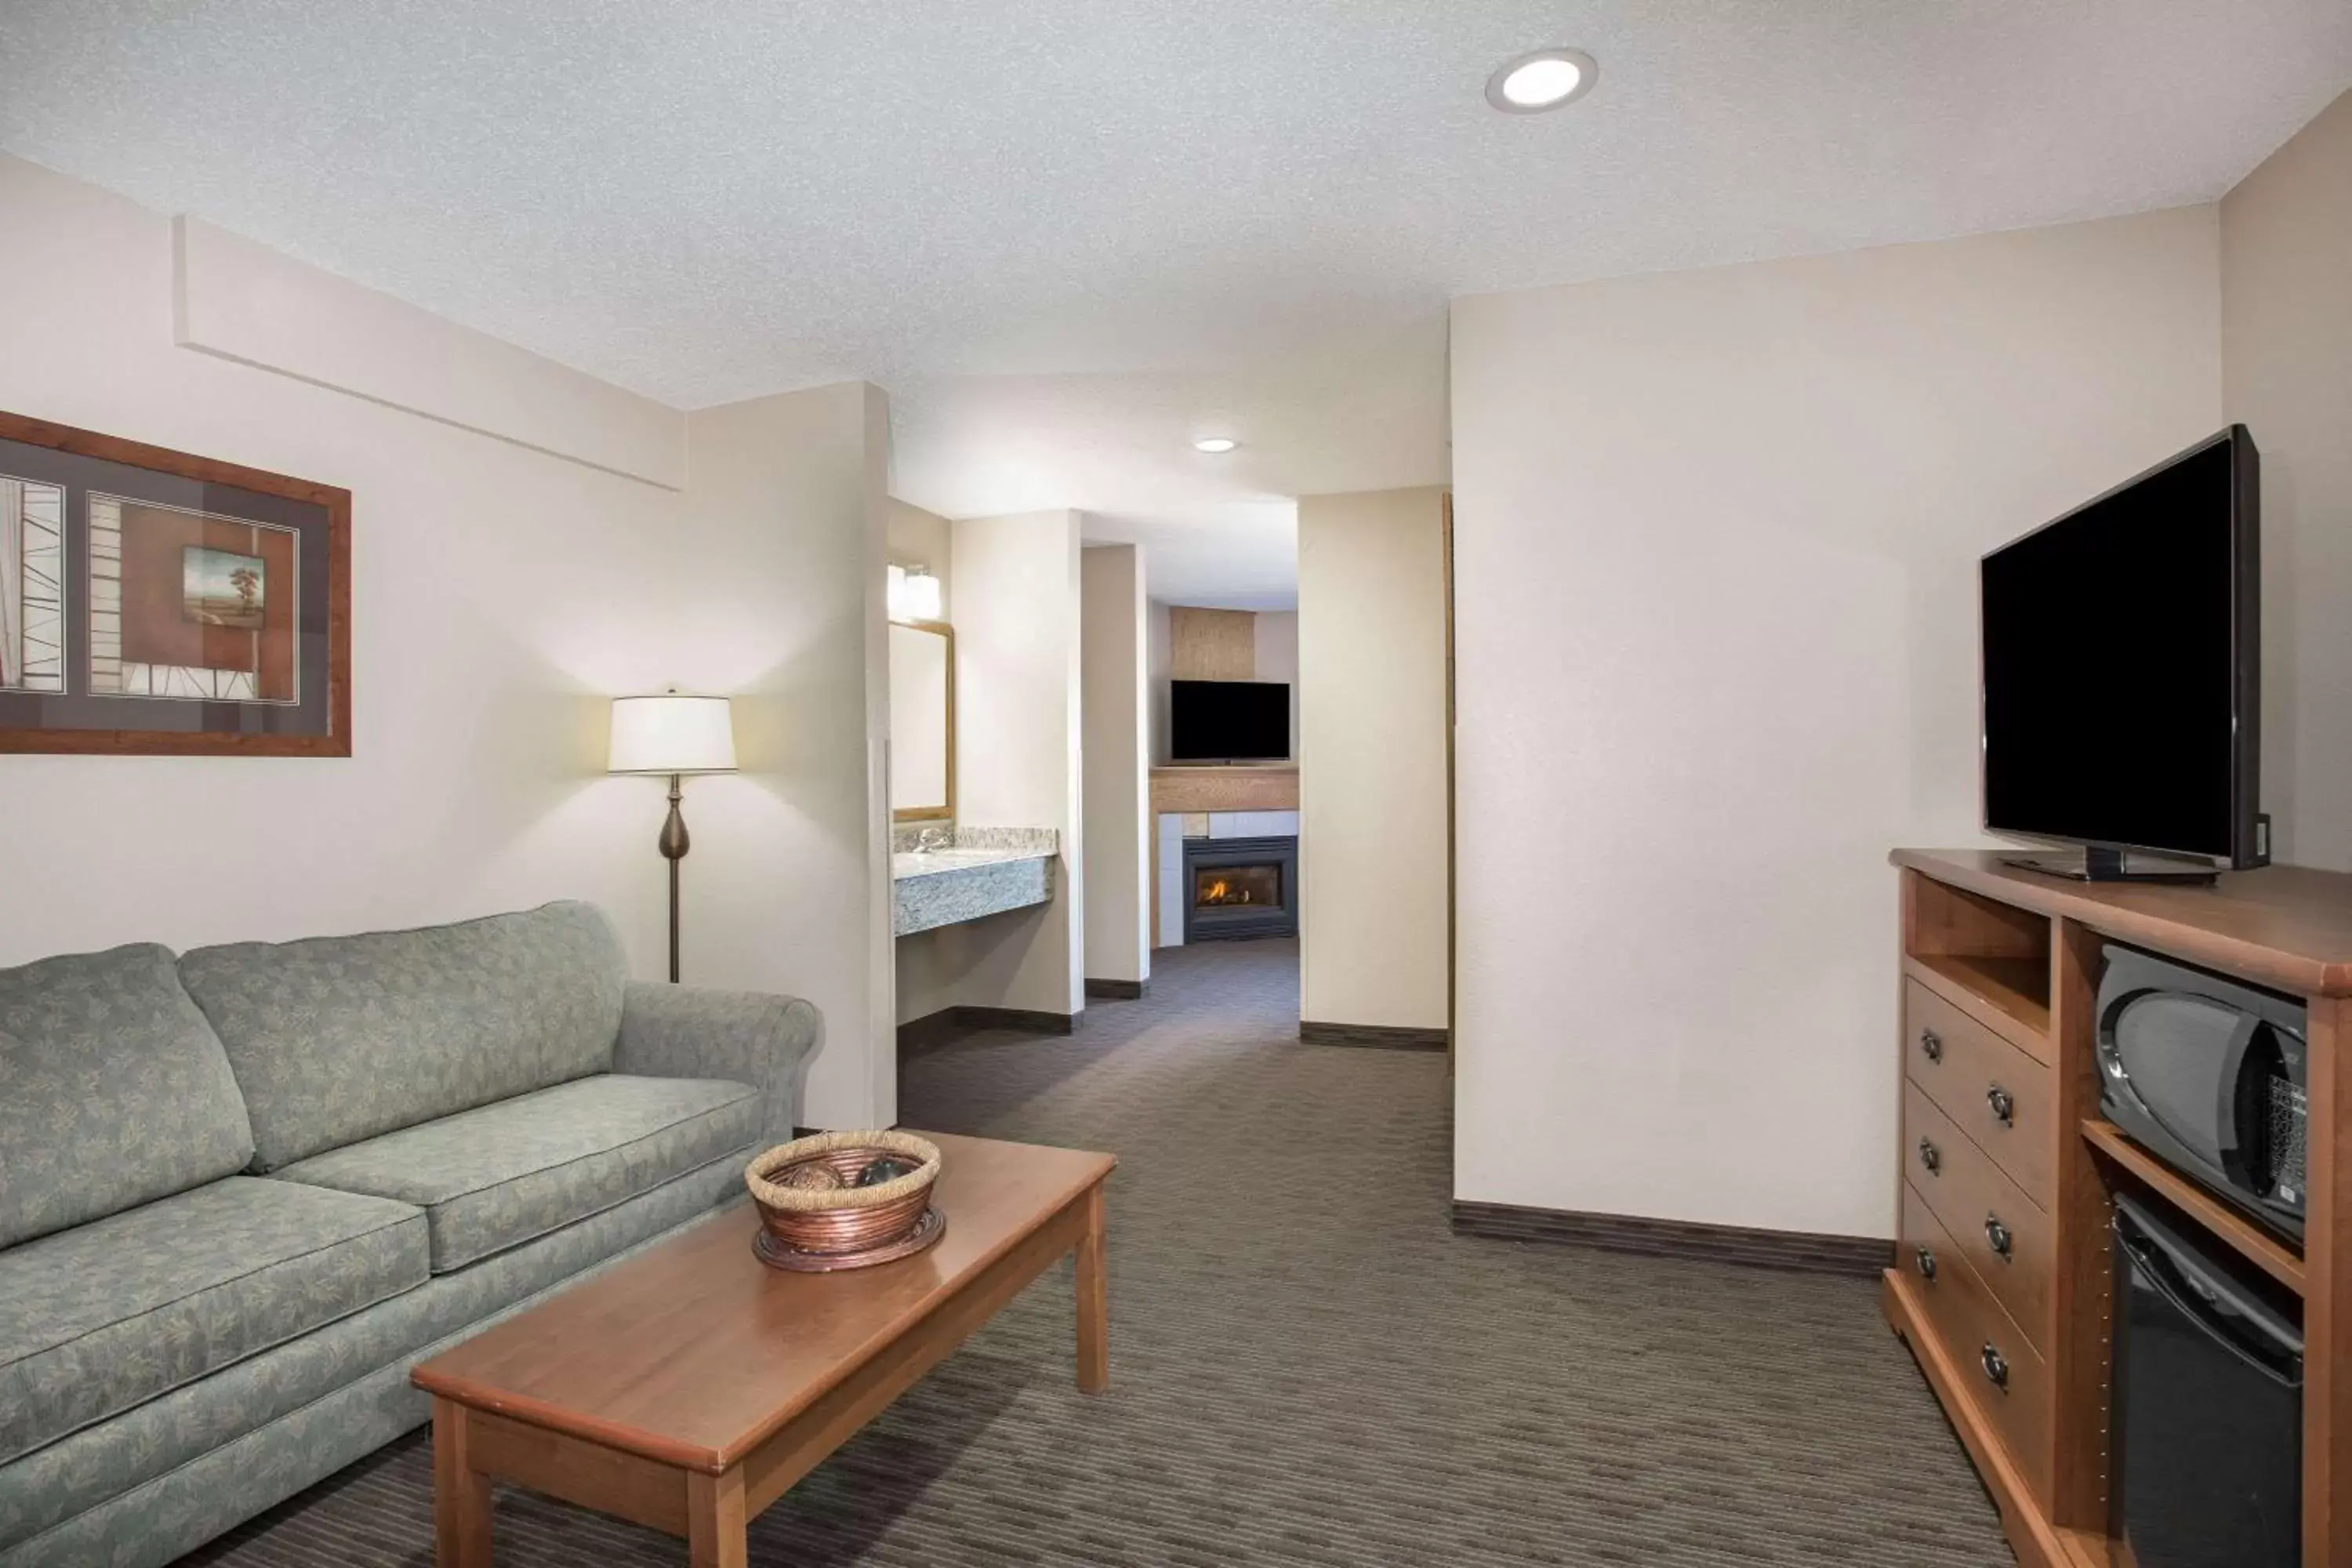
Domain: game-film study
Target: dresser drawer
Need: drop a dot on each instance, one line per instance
(1999, 1096)
(2003, 1234)
(2001, 1374)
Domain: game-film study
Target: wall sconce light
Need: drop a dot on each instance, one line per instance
(915, 594)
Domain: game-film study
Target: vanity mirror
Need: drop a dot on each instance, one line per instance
(923, 721)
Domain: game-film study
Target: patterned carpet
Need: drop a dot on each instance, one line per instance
(1346, 1384)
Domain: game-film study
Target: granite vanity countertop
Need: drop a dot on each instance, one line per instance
(905, 863)
(980, 871)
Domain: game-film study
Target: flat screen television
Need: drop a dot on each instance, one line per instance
(2122, 647)
(1228, 720)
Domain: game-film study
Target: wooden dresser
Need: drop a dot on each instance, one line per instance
(2002, 1278)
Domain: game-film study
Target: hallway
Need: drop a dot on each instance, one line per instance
(1623, 1409)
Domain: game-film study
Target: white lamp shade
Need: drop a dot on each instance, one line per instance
(672, 734)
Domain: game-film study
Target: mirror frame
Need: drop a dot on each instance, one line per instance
(937, 813)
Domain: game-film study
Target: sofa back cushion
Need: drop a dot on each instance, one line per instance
(113, 1091)
(339, 1038)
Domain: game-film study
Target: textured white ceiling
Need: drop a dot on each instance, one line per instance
(712, 200)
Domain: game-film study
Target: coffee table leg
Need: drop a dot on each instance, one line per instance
(461, 1494)
(714, 1519)
(1094, 1300)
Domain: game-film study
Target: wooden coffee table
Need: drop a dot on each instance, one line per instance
(689, 1387)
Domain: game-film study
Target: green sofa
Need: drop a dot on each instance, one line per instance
(244, 1190)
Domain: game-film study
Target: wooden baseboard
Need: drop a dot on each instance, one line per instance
(934, 1029)
(1026, 1020)
(1380, 1036)
(1119, 990)
(1800, 1251)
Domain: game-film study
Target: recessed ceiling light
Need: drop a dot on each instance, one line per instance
(1545, 78)
(1215, 444)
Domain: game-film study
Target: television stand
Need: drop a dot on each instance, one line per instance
(2111, 865)
(2014, 1324)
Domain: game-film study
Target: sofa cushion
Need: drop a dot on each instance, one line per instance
(96, 1320)
(51, 1485)
(113, 1091)
(335, 1039)
(495, 1177)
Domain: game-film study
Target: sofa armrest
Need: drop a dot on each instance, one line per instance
(690, 1031)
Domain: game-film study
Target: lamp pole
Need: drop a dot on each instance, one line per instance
(671, 735)
(673, 845)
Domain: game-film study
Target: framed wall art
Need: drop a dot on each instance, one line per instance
(154, 603)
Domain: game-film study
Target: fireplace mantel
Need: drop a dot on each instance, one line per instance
(1272, 786)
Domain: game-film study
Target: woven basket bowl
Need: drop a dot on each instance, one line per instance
(844, 1218)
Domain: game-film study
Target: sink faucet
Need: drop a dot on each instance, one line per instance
(930, 839)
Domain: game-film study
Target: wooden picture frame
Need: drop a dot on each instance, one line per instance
(220, 712)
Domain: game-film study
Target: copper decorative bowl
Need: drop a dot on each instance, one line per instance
(813, 1214)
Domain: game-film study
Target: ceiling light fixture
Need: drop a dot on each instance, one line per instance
(1544, 79)
(1215, 444)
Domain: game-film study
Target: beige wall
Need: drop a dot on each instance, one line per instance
(245, 301)
(501, 595)
(2287, 374)
(1715, 548)
(1159, 655)
(1277, 658)
(1273, 638)
(789, 881)
(1372, 781)
(1115, 632)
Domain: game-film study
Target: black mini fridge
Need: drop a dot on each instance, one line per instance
(2208, 1441)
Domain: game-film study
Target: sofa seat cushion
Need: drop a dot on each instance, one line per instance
(339, 1038)
(293, 1382)
(497, 1176)
(113, 1091)
(96, 1320)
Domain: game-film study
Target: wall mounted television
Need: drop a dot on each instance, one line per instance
(1228, 720)
(2122, 647)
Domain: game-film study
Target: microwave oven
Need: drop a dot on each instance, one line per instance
(2208, 1075)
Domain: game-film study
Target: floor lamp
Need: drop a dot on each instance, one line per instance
(675, 735)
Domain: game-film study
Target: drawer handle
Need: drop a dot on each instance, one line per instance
(1998, 1234)
(1996, 1368)
(1930, 1156)
(1932, 1044)
(1927, 1260)
(2003, 1103)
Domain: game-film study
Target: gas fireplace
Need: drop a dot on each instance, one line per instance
(1240, 888)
